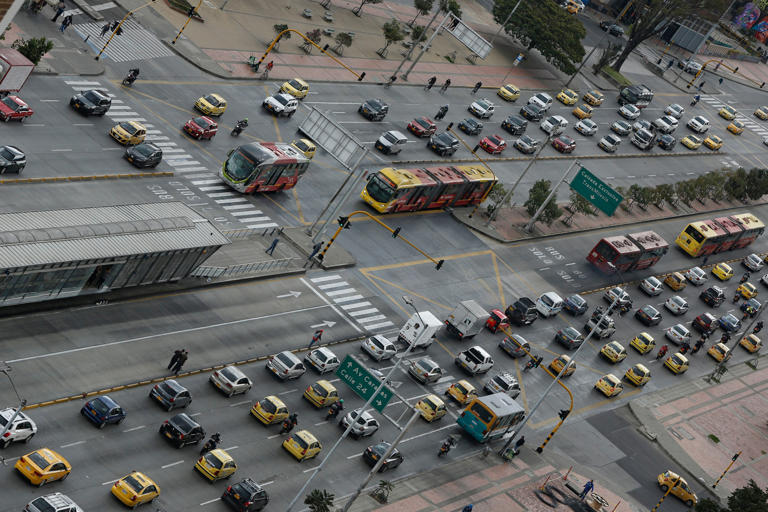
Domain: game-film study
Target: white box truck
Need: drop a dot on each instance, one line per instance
(420, 329)
(467, 319)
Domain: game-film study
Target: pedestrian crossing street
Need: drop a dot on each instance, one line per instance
(353, 304)
(183, 164)
(135, 43)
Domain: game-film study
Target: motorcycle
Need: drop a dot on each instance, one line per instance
(290, 422)
(445, 448)
(239, 127)
(662, 352)
(208, 446)
(334, 410)
(132, 76)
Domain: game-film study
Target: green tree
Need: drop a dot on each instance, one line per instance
(383, 490)
(578, 204)
(536, 197)
(607, 55)
(343, 39)
(418, 34)
(546, 27)
(656, 15)
(758, 179)
(748, 499)
(357, 10)
(422, 7)
(665, 193)
(319, 501)
(451, 6)
(685, 191)
(278, 29)
(314, 36)
(708, 505)
(34, 48)
(392, 34)
(736, 185)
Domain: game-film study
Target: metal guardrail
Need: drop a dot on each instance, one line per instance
(244, 268)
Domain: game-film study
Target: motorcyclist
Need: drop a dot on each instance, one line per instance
(441, 113)
(745, 277)
(446, 446)
(133, 74)
(662, 351)
(289, 422)
(211, 443)
(696, 99)
(335, 408)
(758, 327)
(240, 126)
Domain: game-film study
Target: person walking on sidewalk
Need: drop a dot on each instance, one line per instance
(272, 246)
(104, 29)
(701, 84)
(316, 338)
(176, 355)
(180, 362)
(315, 249)
(519, 444)
(588, 488)
(59, 10)
(468, 508)
(430, 83)
(64, 24)
(445, 86)
(477, 87)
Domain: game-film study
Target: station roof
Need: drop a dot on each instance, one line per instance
(59, 236)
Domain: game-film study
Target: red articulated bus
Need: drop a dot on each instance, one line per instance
(626, 253)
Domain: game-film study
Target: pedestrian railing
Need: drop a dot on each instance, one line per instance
(255, 267)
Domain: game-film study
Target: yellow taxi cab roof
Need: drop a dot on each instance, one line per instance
(725, 266)
(135, 124)
(681, 357)
(715, 138)
(141, 477)
(327, 386)
(563, 357)
(611, 378)
(276, 401)
(642, 368)
(748, 286)
(644, 336)
(49, 455)
(752, 338)
(466, 385)
(568, 92)
(221, 454)
(436, 400)
(596, 93)
(308, 142)
(306, 436)
(511, 87)
(728, 108)
(299, 80)
(722, 347)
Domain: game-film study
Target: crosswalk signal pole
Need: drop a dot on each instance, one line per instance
(192, 12)
(117, 28)
(665, 495)
(733, 461)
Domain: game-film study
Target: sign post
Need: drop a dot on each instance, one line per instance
(356, 376)
(597, 192)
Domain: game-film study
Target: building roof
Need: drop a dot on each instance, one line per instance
(53, 236)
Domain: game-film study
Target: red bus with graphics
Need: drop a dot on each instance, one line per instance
(626, 253)
(263, 167)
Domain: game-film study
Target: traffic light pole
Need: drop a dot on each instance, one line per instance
(341, 202)
(338, 191)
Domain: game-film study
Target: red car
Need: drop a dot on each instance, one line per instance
(564, 144)
(493, 144)
(202, 127)
(13, 107)
(422, 127)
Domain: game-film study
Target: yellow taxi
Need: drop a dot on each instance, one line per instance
(561, 362)
(270, 410)
(296, 87)
(43, 466)
(211, 105)
(761, 113)
(719, 352)
(609, 385)
(747, 290)
(321, 393)
(668, 479)
(751, 343)
(736, 127)
(614, 352)
(302, 445)
(677, 363)
(135, 489)
(722, 271)
(508, 92)
(638, 375)
(583, 111)
(713, 142)
(128, 133)
(567, 97)
(431, 408)
(727, 112)
(462, 391)
(594, 98)
(676, 281)
(643, 343)
(305, 146)
(216, 464)
(691, 142)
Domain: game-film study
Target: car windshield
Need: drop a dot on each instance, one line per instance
(680, 330)
(268, 406)
(302, 145)
(652, 281)
(296, 85)
(390, 137)
(482, 104)
(699, 120)
(577, 300)
(677, 360)
(229, 374)
(213, 461)
(144, 149)
(510, 89)
(433, 405)
(244, 488)
(376, 343)
(318, 389)
(281, 99)
(202, 123)
(565, 139)
(650, 310)
(495, 140)
(426, 365)
(167, 388)
(92, 96)
(482, 413)
(7, 154)
(612, 140)
(533, 108)
(570, 332)
(182, 423)
(41, 504)
(212, 100)
(678, 300)
(623, 125)
(99, 406)
(500, 382)
(474, 355)
(645, 338)
(471, 123)
(526, 140)
(675, 107)
(631, 108)
(423, 123)
(375, 104)
(542, 98)
(133, 483)
(588, 123)
(379, 190)
(446, 139)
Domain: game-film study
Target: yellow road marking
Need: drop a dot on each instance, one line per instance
(422, 261)
(396, 303)
(298, 206)
(410, 292)
(624, 394)
(499, 284)
(294, 217)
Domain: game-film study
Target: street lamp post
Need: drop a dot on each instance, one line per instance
(5, 368)
(191, 12)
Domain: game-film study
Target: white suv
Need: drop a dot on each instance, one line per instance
(554, 125)
(281, 104)
(55, 502)
(541, 100)
(22, 428)
(699, 124)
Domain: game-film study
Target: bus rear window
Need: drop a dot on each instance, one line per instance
(481, 412)
(694, 233)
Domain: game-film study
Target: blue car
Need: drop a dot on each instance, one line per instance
(576, 305)
(102, 410)
(729, 323)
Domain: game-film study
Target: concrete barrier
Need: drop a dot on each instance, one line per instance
(54, 179)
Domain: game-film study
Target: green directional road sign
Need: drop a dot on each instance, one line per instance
(594, 190)
(355, 375)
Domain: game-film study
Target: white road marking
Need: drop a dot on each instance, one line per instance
(289, 391)
(248, 212)
(237, 206)
(60, 150)
(172, 464)
(325, 278)
(111, 149)
(110, 482)
(253, 219)
(231, 448)
(210, 501)
(271, 481)
(310, 469)
(347, 299)
(71, 444)
(82, 124)
(49, 101)
(333, 285)
(240, 403)
(334, 308)
(134, 428)
(356, 305)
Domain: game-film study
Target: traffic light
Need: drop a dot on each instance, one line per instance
(395, 232)
(439, 264)
(360, 78)
(476, 148)
(564, 414)
(191, 11)
(450, 125)
(325, 48)
(344, 222)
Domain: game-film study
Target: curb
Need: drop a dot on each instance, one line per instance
(95, 177)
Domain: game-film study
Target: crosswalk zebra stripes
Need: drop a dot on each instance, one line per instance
(183, 164)
(749, 123)
(354, 304)
(135, 43)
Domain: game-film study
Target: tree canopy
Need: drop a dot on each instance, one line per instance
(422, 7)
(536, 197)
(451, 6)
(746, 499)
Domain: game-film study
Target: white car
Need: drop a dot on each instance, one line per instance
(698, 124)
(621, 127)
(474, 360)
(662, 125)
(364, 425)
(586, 127)
(549, 304)
(753, 262)
(379, 347)
(678, 333)
(281, 104)
(696, 276)
(629, 111)
(690, 66)
(322, 360)
(554, 125)
(676, 304)
(674, 110)
(482, 108)
(541, 100)
(609, 143)
(642, 124)
(651, 286)
(764, 279)
(22, 428)
(230, 380)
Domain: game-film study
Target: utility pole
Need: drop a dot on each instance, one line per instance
(410, 50)
(529, 226)
(428, 43)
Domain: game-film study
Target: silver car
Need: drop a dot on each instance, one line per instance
(425, 370)
(676, 304)
(230, 380)
(629, 111)
(286, 365)
(514, 345)
(364, 425)
(696, 276)
(753, 262)
(621, 127)
(482, 108)
(170, 394)
(674, 110)
(378, 347)
(609, 143)
(503, 382)
(651, 286)
(586, 127)
(322, 360)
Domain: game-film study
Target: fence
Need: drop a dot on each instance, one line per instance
(245, 268)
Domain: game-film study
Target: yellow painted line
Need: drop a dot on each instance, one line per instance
(421, 262)
(410, 292)
(596, 405)
(365, 218)
(294, 217)
(397, 304)
(487, 288)
(444, 347)
(298, 206)
(499, 284)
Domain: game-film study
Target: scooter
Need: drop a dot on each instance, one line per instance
(132, 76)
(445, 448)
(239, 127)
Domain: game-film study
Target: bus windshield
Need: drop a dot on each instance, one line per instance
(379, 190)
(239, 166)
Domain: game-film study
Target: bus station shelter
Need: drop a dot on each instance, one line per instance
(54, 254)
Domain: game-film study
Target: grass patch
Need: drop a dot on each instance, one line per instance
(713, 438)
(616, 76)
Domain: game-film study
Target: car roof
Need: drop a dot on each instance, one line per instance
(106, 400)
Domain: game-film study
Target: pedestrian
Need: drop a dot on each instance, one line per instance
(720, 81)
(477, 87)
(64, 24)
(59, 10)
(445, 86)
(115, 23)
(316, 338)
(705, 260)
(270, 65)
(588, 488)
(180, 362)
(486, 449)
(176, 355)
(717, 66)
(272, 246)
(105, 29)
(519, 444)
(315, 249)
(467, 508)
(701, 84)
(670, 63)
(430, 83)
(390, 81)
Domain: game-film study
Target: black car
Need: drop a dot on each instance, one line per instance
(649, 315)
(245, 496)
(576, 305)
(616, 30)
(470, 126)
(91, 102)
(532, 112)
(12, 159)
(522, 312)
(182, 430)
(666, 141)
(145, 154)
(515, 125)
(444, 144)
(373, 453)
(374, 110)
(569, 337)
(713, 296)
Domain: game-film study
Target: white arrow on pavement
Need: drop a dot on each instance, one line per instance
(327, 323)
(289, 294)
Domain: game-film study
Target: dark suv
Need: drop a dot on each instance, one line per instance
(182, 430)
(714, 296)
(515, 125)
(444, 144)
(91, 102)
(374, 110)
(522, 311)
(245, 496)
(706, 322)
